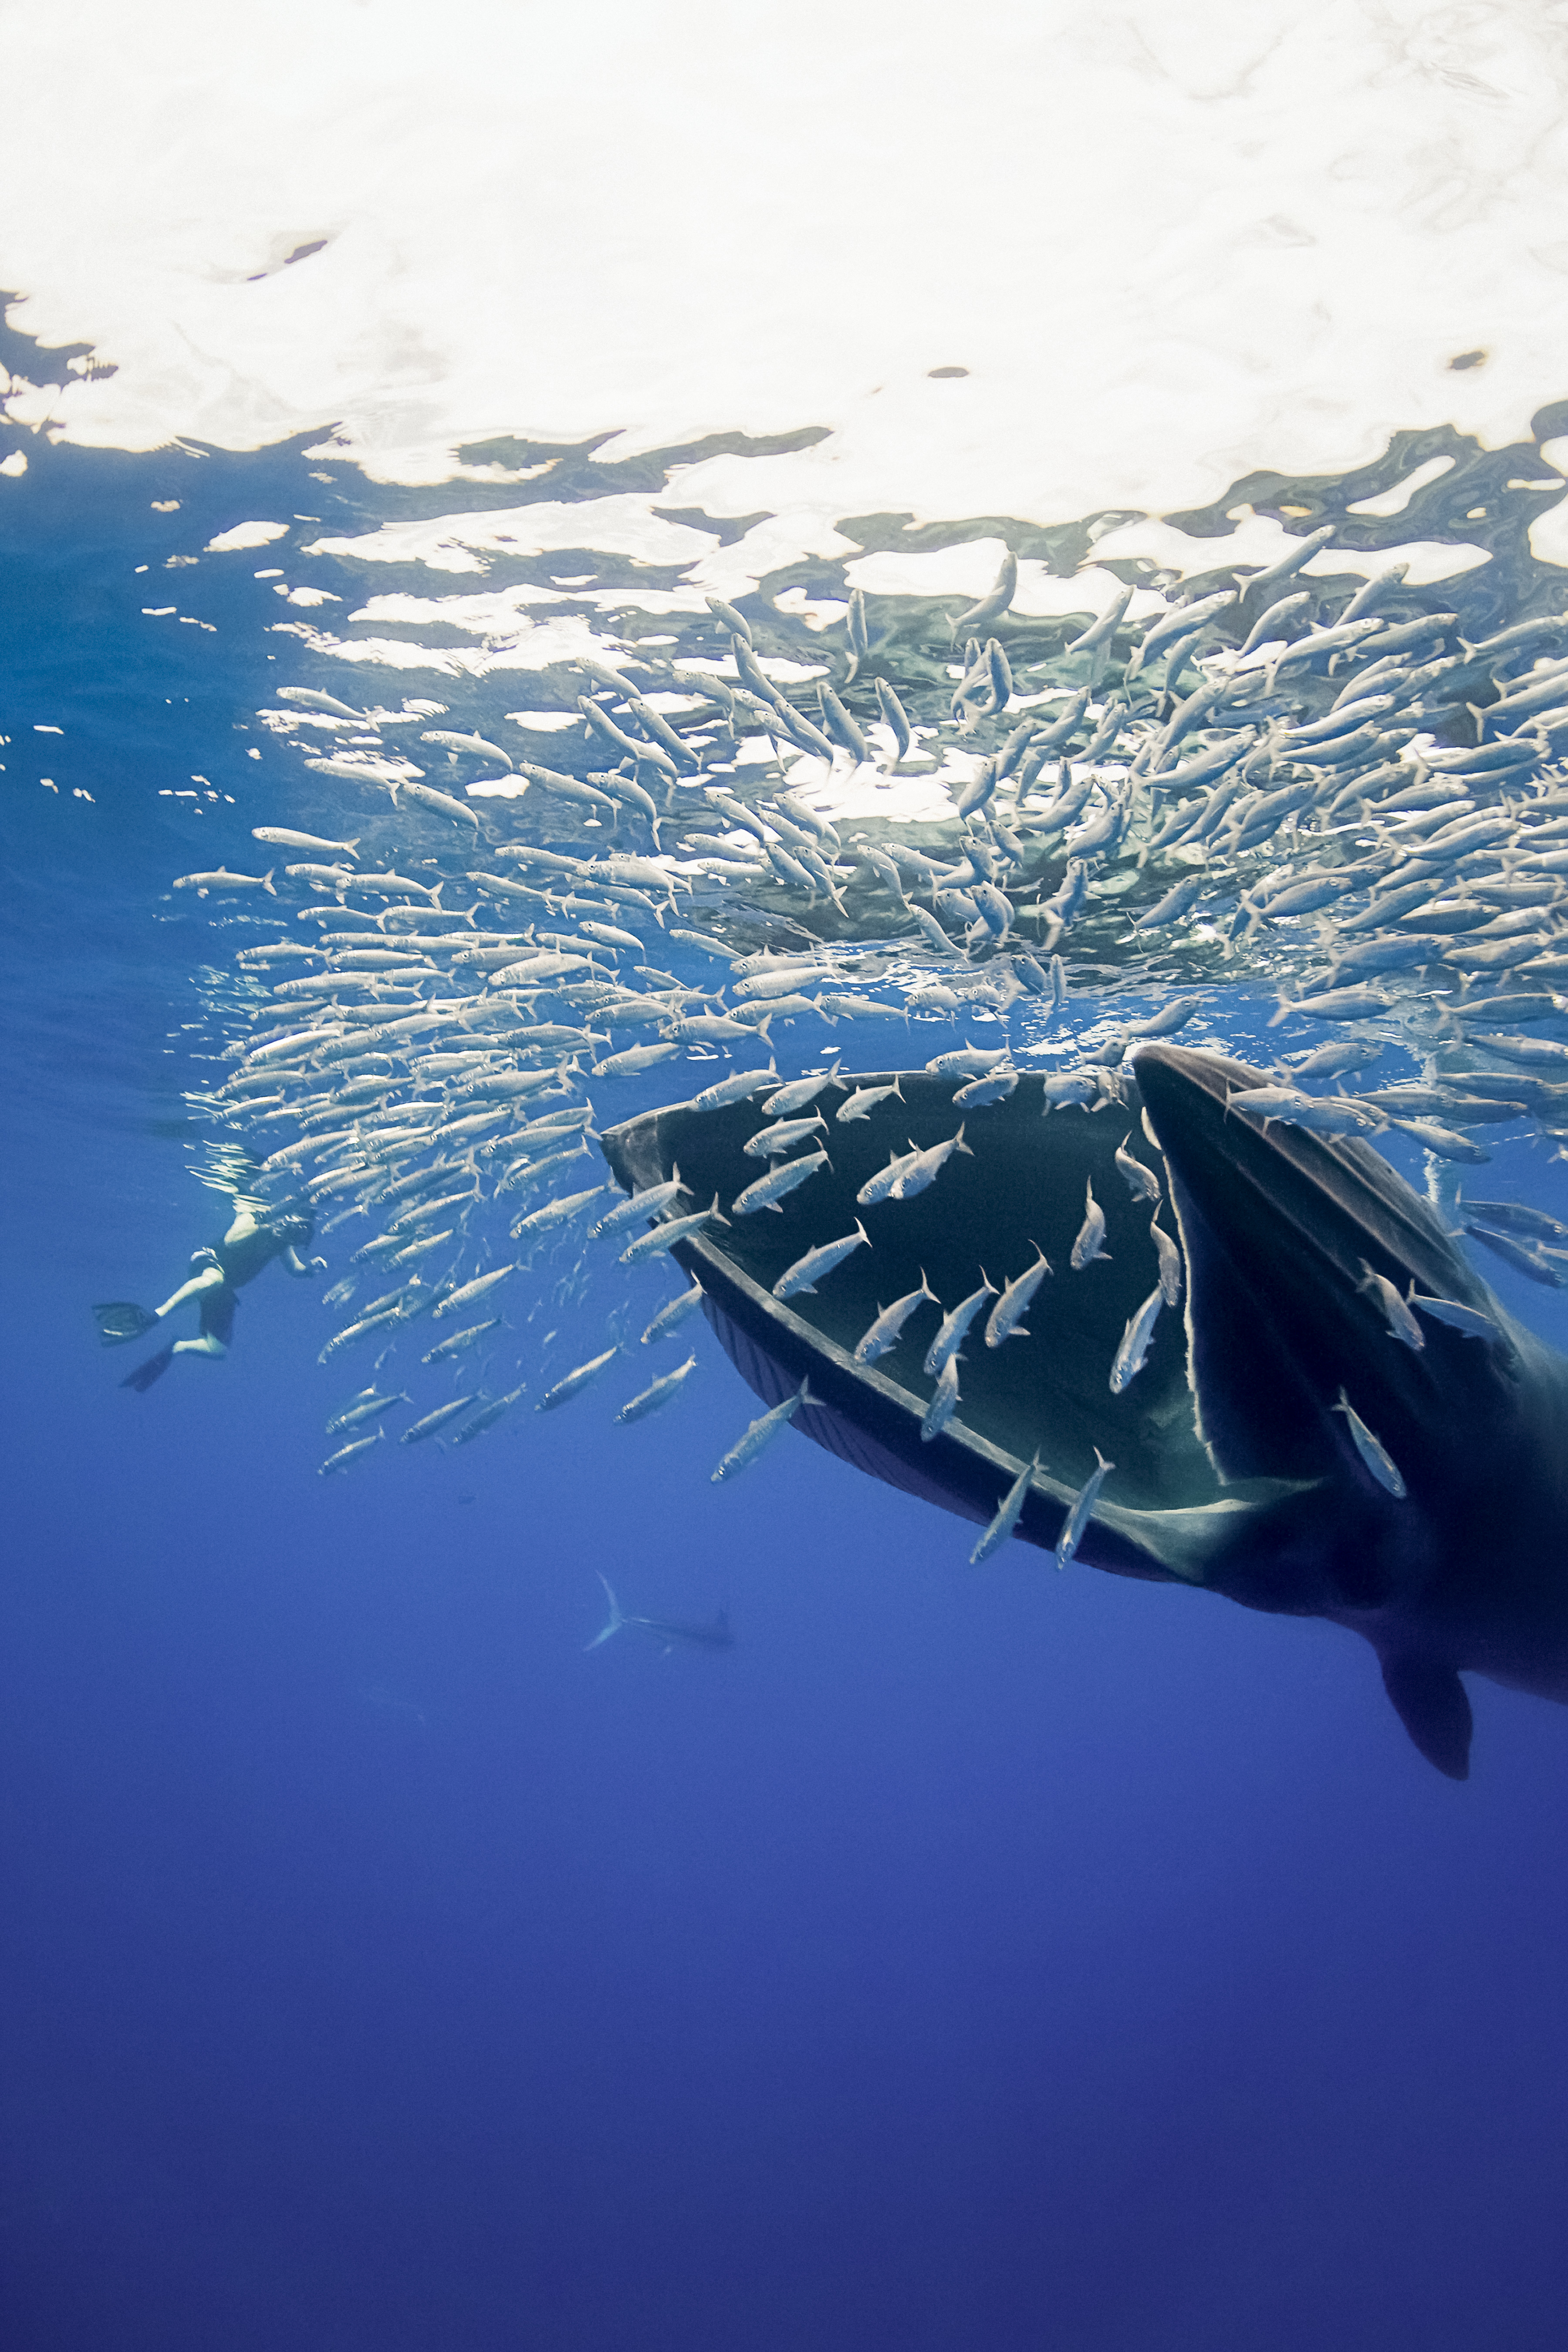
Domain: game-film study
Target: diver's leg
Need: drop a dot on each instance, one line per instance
(209, 1344)
(209, 1279)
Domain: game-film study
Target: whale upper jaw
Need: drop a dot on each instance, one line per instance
(1469, 1568)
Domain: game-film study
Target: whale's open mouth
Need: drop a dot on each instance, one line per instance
(1288, 1421)
(1021, 1186)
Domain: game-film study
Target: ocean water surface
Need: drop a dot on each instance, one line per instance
(961, 1954)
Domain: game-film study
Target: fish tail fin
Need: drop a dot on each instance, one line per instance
(615, 1619)
(267, 882)
(716, 1214)
(436, 895)
(958, 1143)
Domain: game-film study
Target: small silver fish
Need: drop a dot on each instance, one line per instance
(427, 1427)
(760, 1433)
(337, 1463)
(1067, 1088)
(927, 1166)
(366, 1406)
(669, 1318)
(558, 1212)
(738, 1087)
(943, 1404)
(460, 1341)
(479, 1289)
(412, 1250)
(1007, 1515)
(664, 1236)
(575, 1380)
(1133, 1352)
(646, 1204)
(441, 804)
(794, 1096)
(1141, 1181)
(863, 1101)
(1442, 1141)
(1089, 1243)
(474, 743)
(1467, 1319)
(1300, 551)
(1100, 632)
(222, 879)
(967, 1062)
(1402, 1323)
(883, 1334)
(310, 698)
(807, 1271)
(894, 717)
(769, 1190)
(488, 1418)
(954, 1328)
(993, 1088)
(1169, 1258)
(636, 1059)
(1334, 1004)
(1373, 1453)
(736, 623)
(658, 1392)
(281, 838)
(992, 606)
(880, 1186)
(1081, 1510)
(1005, 1320)
(353, 1333)
(773, 1142)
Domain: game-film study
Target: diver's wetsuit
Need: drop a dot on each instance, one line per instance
(217, 1277)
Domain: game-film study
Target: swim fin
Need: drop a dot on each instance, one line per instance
(120, 1320)
(153, 1369)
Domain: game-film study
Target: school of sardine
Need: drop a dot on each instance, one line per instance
(1294, 788)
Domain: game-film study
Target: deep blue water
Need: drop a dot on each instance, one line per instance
(969, 1958)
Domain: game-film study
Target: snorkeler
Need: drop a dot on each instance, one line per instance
(217, 1277)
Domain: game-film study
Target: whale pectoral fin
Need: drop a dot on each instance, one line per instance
(1434, 1705)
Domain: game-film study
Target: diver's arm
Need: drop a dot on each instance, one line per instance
(294, 1264)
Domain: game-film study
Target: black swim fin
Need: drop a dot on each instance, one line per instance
(153, 1369)
(120, 1320)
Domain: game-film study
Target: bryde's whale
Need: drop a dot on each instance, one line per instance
(1285, 1423)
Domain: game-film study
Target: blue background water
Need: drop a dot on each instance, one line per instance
(973, 1957)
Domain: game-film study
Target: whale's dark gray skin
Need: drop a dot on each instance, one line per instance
(1234, 1469)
